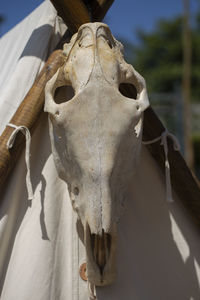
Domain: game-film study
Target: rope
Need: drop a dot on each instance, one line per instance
(10, 144)
(176, 146)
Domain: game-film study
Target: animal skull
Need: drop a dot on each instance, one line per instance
(96, 138)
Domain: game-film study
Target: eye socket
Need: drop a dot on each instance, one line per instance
(63, 94)
(128, 90)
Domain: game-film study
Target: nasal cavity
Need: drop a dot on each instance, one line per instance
(128, 90)
(63, 94)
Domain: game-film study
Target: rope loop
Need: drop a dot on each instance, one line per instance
(10, 144)
(164, 143)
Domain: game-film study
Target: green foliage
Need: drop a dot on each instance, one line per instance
(159, 56)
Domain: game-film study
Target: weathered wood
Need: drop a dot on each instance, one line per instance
(27, 114)
(73, 12)
(77, 12)
(98, 8)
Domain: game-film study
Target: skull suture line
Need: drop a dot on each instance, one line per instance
(96, 138)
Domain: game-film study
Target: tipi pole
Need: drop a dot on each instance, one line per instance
(27, 115)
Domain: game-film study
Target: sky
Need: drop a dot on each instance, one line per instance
(124, 16)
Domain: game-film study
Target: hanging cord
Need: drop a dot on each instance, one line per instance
(10, 144)
(92, 291)
(176, 146)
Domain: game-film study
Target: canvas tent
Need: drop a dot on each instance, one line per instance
(40, 252)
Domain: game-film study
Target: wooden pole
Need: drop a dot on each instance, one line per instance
(27, 115)
(98, 8)
(73, 12)
(76, 12)
(186, 86)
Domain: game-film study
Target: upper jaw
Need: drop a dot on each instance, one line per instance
(100, 257)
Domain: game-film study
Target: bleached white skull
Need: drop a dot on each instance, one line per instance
(96, 138)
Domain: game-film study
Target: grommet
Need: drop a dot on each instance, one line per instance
(82, 271)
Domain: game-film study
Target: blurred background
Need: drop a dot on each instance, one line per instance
(162, 41)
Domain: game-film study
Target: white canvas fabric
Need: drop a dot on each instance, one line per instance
(40, 252)
(24, 51)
